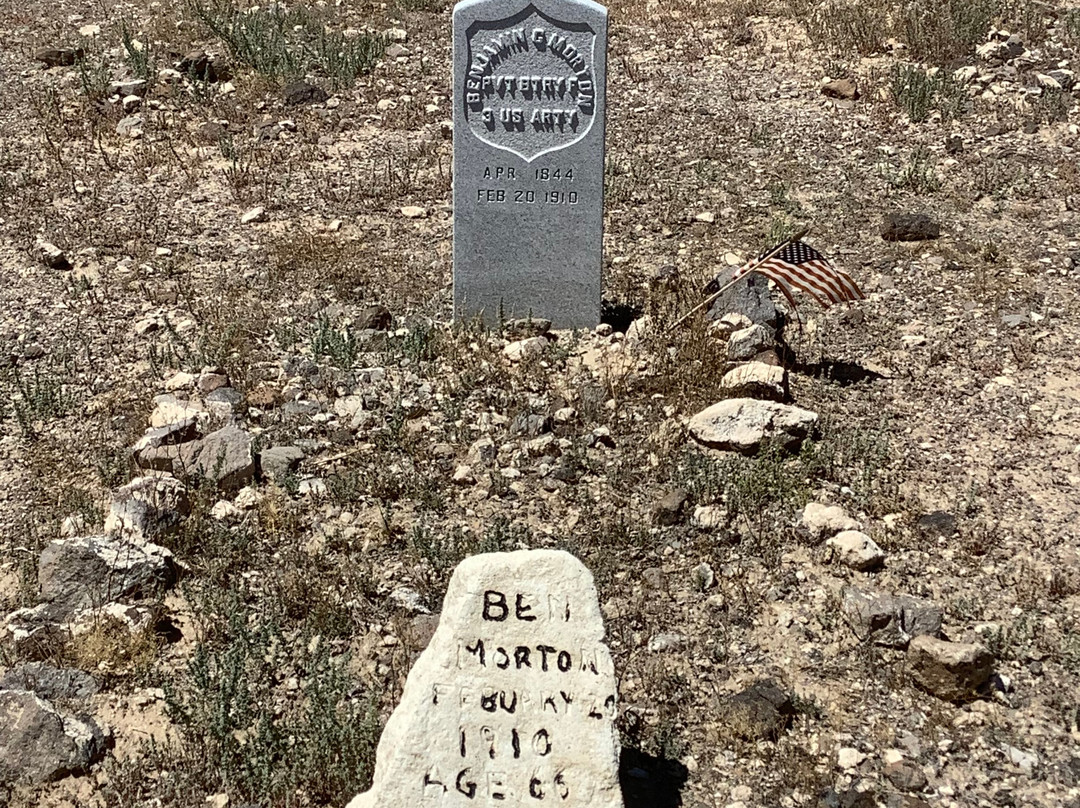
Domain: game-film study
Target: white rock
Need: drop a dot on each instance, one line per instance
(463, 475)
(748, 342)
(849, 758)
(706, 216)
(254, 215)
(965, 74)
(825, 521)
(709, 517)
(247, 498)
(181, 381)
(168, 410)
(312, 487)
(564, 415)
(855, 549)
(755, 379)
(413, 212)
(524, 349)
(743, 424)
(225, 511)
(514, 696)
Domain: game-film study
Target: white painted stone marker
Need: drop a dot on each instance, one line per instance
(529, 101)
(514, 700)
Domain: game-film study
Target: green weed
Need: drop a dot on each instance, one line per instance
(917, 174)
(256, 736)
(920, 93)
(284, 44)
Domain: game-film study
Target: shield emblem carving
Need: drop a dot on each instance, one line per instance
(529, 85)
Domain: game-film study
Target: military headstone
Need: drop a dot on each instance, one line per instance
(513, 702)
(529, 102)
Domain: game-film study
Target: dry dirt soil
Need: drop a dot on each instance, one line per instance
(953, 389)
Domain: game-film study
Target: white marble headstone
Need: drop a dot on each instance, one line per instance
(529, 101)
(514, 700)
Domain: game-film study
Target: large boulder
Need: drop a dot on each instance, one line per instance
(750, 297)
(33, 633)
(224, 458)
(49, 682)
(890, 620)
(84, 572)
(953, 671)
(745, 425)
(38, 743)
(147, 507)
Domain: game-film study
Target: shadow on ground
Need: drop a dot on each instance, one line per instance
(650, 782)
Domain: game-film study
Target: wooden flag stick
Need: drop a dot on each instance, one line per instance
(709, 300)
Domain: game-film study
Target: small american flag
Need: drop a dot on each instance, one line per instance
(800, 266)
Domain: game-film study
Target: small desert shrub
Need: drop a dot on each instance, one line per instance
(932, 30)
(939, 30)
(340, 345)
(139, 56)
(920, 93)
(862, 27)
(439, 552)
(39, 393)
(1052, 106)
(917, 174)
(283, 44)
(256, 736)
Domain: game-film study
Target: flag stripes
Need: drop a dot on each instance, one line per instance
(800, 266)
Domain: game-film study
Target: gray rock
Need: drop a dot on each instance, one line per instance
(841, 88)
(906, 776)
(58, 57)
(745, 425)
(32, 633)
(300, 93)
(38, 743)
(225, 395)
(750, 297)
(224, 457)
(951, 671)
(169, 435)
(200, 65)
(529, 424)
(671, 508)
(703, 576)
(131, 126)
(891, 620)
(87, 571)
(759, 713)
(938, 524)
(909, 227)
(747, 343)
(49, 682)
(278, 461)
(148, 506)
(376, 318)
(525, 327)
